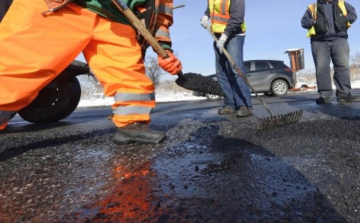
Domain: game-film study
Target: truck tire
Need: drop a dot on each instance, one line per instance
(55, 102)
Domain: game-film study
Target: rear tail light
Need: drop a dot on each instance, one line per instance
(288, 70)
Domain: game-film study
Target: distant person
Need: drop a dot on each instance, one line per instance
(226, 20)
(4, 6)
(37, 45)
(327, 23)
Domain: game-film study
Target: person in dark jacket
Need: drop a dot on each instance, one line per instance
(226, 20)
(327, 22)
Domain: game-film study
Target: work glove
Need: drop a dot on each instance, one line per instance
(170, 64)
(204, 21)
(221, 42)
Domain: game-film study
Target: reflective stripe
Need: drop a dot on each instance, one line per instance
(131, 110)
(5, 116)
(219, 19)
(220, 15)
(224, 6)
(134, 97)
(165, 9)
(313, 10)
(163, 33)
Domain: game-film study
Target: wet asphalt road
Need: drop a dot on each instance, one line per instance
(211, 168)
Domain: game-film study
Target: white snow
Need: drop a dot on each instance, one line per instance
(160, 96)
(164, 96)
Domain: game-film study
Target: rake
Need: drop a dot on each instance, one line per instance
(190, 81)
(272, 120)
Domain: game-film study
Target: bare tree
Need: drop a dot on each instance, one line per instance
(153, 70)
(355, 60)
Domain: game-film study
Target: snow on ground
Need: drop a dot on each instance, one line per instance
(164, 96)
(160, 96)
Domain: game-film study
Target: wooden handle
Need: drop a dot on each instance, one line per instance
(140, 27)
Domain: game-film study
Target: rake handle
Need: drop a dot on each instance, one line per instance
(124, 9)
(236, 67)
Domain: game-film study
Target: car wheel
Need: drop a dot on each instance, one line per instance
(212, 97)
(55, 102)
(279, 88)
(269, 94)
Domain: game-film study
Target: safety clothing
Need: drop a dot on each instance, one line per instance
(171, 64)
(340, 13)
(36, 48)
(163, 20)
(138, 132)
(204, 21)
(220, 15)
(221, 42)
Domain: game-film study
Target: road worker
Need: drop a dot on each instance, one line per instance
(39, 39)
(327, 22)
(226, 20)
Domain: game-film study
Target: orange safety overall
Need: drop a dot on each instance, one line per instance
(35, 48)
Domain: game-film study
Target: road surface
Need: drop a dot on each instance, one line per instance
(211, 168)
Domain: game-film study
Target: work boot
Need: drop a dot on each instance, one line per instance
(226, 110)
(322, 100)
(244, 112)
(138, 132)
(347, 98)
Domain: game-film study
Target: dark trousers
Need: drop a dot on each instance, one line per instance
(236, 91)
(338, 52)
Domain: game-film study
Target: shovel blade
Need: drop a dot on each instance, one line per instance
(197, 82)
(279, 120)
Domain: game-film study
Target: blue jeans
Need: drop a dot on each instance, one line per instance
(338, 52)
(236, 92)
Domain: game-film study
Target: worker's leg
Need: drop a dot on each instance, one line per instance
(224, 81)
(121, 71)
(115, 58)
(241, 91)
(340, 52)
(321, 54)
(36, 48)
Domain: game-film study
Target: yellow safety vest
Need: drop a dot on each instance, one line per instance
(220, 15)
(313, 9)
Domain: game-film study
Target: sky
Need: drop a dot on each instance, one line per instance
(273, 26)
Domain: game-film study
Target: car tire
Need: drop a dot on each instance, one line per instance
(53, 103)
(212, 97)
(279, 88)
(269, 94)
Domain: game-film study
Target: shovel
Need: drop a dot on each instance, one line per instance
(190, 81)
(266, 122)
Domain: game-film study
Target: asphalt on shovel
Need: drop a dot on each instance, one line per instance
(266, 122)
(190, 81)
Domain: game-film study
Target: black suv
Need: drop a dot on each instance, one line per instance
(271, 77)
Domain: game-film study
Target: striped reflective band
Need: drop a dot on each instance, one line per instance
(163, 33)
(165, 9)
(132, 110)
(224, 7)
(134, 97)
(5, 116)
(219, 19)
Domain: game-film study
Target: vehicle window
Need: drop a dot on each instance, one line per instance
(277, 64)
(247, 66)
(261, 65)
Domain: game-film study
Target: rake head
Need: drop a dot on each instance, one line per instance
(279, 120)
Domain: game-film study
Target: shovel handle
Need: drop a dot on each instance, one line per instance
(236, 67)
(124, 9)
